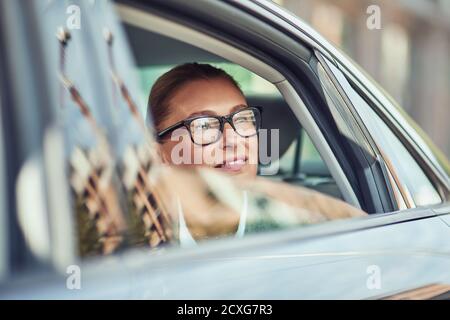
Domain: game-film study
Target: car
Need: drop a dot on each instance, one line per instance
(74, 84)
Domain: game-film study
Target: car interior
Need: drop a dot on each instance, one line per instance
(299, 162)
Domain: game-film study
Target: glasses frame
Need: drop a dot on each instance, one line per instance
(222, 120)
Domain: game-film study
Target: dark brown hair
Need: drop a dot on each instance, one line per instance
(171, 81)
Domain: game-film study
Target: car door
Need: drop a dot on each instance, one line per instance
(338, 260)
(360, 258)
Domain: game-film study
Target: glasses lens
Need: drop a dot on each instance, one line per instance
(205, 130)
(247, 122)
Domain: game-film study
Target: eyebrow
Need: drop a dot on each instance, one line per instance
(202, 113)
(238, 107)
(213, 113)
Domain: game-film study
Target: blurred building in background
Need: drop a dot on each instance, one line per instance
(409, 55)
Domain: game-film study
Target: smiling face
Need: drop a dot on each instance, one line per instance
(231, 153)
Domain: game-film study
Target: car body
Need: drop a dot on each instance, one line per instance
(401, 245)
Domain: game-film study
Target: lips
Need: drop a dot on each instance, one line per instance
(234, 164)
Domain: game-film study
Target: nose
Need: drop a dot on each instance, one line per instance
(230, 137)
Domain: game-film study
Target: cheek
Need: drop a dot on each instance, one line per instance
(253, 150)
(179, 152)
(211, 154)
(251, 169)
(166, 149)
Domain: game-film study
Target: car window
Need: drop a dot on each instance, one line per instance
(304, 167)
(111, 189)
(412, 179)
(165, 53)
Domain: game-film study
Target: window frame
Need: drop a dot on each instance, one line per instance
(425, 164)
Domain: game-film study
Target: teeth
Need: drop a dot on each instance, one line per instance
(232, 163)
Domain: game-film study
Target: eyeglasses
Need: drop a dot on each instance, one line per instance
(205, 130)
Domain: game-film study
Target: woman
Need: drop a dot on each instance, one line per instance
(202, 119)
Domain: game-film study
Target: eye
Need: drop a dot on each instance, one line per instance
(203, 124)
(244, 116)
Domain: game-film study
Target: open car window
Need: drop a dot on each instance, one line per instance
(108, 188)
(297, 161)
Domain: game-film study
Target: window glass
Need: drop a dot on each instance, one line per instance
(89, 180)
(107, 186)
(412, 177)
(117, 190)
(3, 207)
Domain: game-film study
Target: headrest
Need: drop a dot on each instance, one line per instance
(276, 114)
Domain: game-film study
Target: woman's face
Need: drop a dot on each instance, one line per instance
(232, 153)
